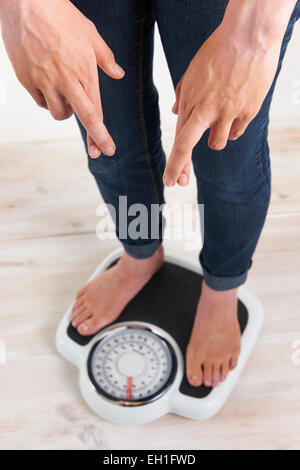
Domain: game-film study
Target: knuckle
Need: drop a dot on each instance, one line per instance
(40, 70)
(64, 80)
(91, 120)
(36, 77)
(41, 103)
(59, 114)
(243, 117)
(105, 142)
(201, 109)
(108, 57)
(182, 145)
(199, 116)
(228, 112)
(248, 115)
(184, 106)
(91, 25)
(224, 120)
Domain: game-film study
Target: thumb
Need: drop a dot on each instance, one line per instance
(106, 59)
(175, 108)
(178, 90)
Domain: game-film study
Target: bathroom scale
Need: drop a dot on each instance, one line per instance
(133, 371)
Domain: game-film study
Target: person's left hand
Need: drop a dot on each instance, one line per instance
(222, 90)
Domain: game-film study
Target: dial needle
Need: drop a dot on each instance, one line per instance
(129, 388)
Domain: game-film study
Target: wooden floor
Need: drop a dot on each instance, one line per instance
(49, 248)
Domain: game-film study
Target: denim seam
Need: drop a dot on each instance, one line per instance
(259, 151)
(262, 166)
(147, 249)
(116, 164)
(141, 103)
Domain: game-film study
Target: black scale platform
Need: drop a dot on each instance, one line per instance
(168, 301)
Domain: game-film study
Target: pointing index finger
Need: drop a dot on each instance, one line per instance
(91, 120)
(185, 140)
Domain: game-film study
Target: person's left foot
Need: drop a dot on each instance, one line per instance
(214, 345)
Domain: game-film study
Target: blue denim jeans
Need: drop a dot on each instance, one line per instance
(233, 184)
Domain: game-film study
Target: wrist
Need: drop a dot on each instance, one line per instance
(256, 23)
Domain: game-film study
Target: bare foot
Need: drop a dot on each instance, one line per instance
(102, 300)
(214, 345)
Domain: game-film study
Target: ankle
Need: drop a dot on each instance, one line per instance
(216, 295)
(145, 265)
(213, 302)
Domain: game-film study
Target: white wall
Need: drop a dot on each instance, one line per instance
(22, 120)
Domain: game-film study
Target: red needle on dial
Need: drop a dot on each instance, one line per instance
(129, 388)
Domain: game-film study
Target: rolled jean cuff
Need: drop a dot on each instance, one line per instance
(223, 283)
(142, 251)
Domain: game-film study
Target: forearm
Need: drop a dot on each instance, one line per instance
(10, 11)
(260, 22)
(10, 8)
(7, 6)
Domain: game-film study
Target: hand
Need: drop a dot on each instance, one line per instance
(54, 50)
(222, 90)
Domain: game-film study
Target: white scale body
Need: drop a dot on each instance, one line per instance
(130, 372)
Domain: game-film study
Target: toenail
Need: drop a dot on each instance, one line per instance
(194, 377)
(85, 327)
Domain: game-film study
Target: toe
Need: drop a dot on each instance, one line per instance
(207, 378)
(195, 379)
(193, 368)
(233, 363)
(90, 326)
(77, 311)
(194, 374)
(77, 305)
(80, 318)
(224, 370)
(84, 328)
(81, 292)
(216, 374)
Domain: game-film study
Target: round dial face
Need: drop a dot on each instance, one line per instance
(131, 364)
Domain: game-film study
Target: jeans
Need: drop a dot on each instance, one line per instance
(233, 184)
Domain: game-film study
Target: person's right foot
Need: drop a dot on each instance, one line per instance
(102, 300)
(214, 345)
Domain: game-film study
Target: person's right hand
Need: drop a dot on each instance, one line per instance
(54, 50)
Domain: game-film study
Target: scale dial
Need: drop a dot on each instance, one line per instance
(132, 365)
